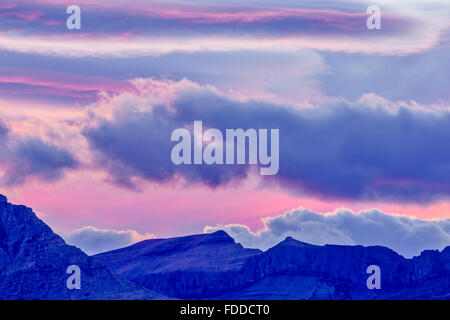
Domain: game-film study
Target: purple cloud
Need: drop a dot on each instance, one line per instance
(23, 158)
(171, 27)
(366, 150)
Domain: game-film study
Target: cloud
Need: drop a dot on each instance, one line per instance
(422, 77)
(407, 236)
(26, 157)
(38, 83)
(172, 27)
(136, 144)
(284, 76)
(92, 240)
(4, 131)
(372, 149)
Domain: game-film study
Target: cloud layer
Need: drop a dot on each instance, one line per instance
(172, 26)
(407, 236)
(92, 240)
(372, 149)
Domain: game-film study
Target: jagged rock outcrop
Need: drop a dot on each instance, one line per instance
(34, 260)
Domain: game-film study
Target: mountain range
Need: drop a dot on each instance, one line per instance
(34, 261)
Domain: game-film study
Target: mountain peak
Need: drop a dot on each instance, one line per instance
(220, 236)
(220, 233)
(3, 198)
(294, 242)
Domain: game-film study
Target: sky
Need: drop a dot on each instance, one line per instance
(86, 117)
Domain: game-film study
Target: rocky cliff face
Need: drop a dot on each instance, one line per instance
(34, 260)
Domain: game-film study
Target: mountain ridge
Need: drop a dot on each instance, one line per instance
(33, 262)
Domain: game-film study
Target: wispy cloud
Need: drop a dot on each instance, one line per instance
(35, 83)
(170, 27)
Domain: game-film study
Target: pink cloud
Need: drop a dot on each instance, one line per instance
(334, 18)
(244, 28)
(61, 82)
(27, 15)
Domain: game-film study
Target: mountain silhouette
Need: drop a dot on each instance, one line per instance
(191, 267)
(213, 266)
(34, 260)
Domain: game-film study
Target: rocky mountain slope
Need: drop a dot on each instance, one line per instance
(304, 271)
(34, 260)
(189, 267)
(212, 266)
